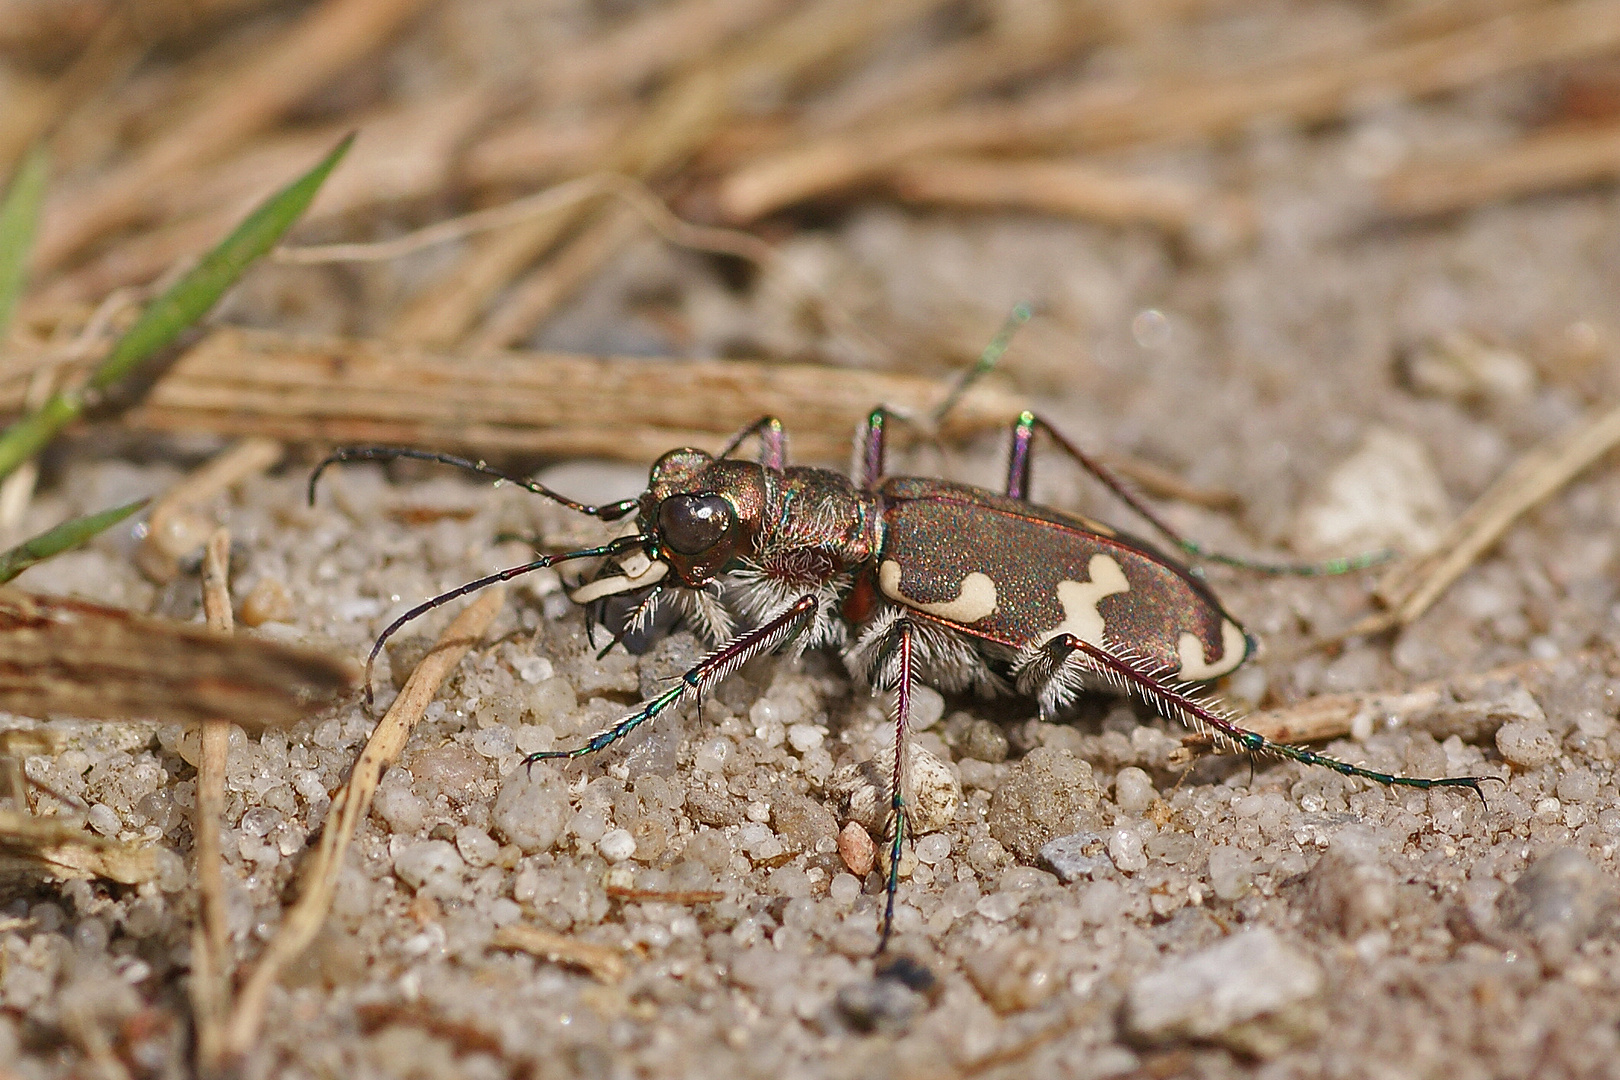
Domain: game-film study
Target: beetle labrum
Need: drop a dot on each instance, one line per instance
(911, 579)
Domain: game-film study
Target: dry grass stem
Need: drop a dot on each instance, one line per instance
(31, 847)
(176, 528)
(403, 155)
(679, 120)
(602, 962)
(1335, 716)
(17, 490)
(64, 657)
(663, 39)
(303, 921)
(1412, 585)
(1164, 484)
(210, 982)
(1072, 189)
(327, 40)
(1095, 114)
(336, 391)
(665, 896)
(538, 150)
(549, 284)
(1023, 42)
(1546, 162)
(108, 56)
(535, 296)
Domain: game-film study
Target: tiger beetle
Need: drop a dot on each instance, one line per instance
(911, 579)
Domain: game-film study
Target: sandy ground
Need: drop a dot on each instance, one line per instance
(1229, 919)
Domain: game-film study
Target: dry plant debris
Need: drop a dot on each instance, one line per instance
(65, 657)
(349, 806)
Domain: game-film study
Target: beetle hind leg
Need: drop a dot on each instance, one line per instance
(1020, 461)
(1180, 702)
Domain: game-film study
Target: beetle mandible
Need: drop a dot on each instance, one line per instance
(911, 579)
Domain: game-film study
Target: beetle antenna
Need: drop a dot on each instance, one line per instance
(606, 512)
(616, 547)
(987, 361)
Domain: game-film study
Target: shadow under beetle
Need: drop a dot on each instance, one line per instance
(910, 579)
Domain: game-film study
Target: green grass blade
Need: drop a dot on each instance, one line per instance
(170, 314)
(19, 215)
(190, 298)
(69, 534)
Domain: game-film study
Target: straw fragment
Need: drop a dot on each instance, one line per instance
(351, 803)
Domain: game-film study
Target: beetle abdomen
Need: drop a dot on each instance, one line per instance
(1007, 571)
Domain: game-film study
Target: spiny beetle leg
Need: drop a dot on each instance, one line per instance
(869, 466)
(1182, 703)
(698, 678)
(1020, 463)
(772, 442)
(1021, 314)
(897, 791)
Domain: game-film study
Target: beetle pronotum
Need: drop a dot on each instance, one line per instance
(911, 579)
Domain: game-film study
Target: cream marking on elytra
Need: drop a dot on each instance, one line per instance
(1195, 666)
(639, 572)
(1080, 598)
(976, 600)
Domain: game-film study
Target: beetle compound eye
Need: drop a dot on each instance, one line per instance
(692, 524)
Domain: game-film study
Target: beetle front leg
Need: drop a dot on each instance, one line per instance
(698, 678)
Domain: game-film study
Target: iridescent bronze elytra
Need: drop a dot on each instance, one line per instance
(910, 579)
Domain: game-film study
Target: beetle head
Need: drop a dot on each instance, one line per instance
(701, 512)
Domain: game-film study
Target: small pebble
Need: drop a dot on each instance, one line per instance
(805, 737)
(984, 741)
(1125, 848)
(398, 805)
(862, 791)
(844, 888)
(1526, 744)
(1351, 898)
(1133, 790)
(531, 809)
(419, 863)
(475, 846)
(855, 847)
(927, 706)
(616, 845)
(1049, 793)
(1560, 901)
(932, 848)
(1233, 981)
(1013, 978)
(104, 820)
(1386, 494)
(1067, 856)
(1231, 872)
(268, 601)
